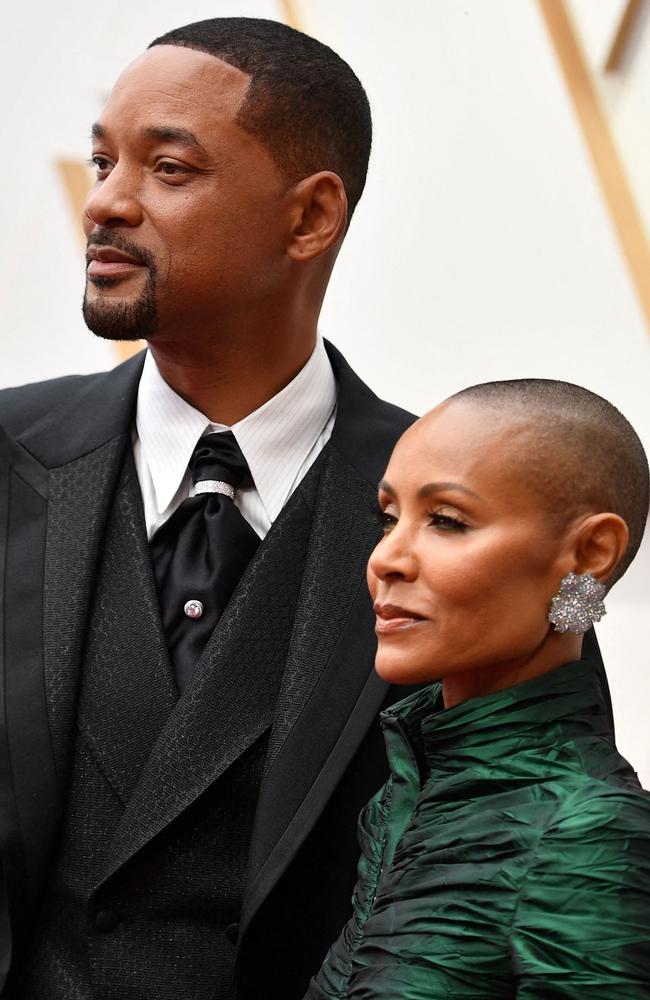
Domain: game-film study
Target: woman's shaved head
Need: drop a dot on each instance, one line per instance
(573, 448)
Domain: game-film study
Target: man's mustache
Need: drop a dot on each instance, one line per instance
(107, 238)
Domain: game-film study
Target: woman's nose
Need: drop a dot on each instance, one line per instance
(394, 556)
(115, 201)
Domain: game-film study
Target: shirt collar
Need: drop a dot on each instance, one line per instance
(275, 439)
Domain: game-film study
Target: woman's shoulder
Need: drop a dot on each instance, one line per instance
(601, 801)
(583, 906)
(603, 825)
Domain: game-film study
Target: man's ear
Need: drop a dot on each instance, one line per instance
(601, 541)
(319, 213)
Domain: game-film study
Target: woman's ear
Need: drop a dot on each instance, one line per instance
(318, 217)
(600, 543)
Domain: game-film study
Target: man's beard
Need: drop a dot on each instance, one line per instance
(115, 320)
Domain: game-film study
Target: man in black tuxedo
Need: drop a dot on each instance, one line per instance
(180, 821)
(180, 796)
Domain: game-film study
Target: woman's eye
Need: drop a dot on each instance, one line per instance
(447, 522)
(386, 520)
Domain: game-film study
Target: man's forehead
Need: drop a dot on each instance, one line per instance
(175, 74)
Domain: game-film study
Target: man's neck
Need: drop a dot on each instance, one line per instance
(226, 382)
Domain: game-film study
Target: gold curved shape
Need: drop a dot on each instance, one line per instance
(290, 14)
(605, 156)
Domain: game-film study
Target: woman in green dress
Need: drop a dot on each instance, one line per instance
(508, 854)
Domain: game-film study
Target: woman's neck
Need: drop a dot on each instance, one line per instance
(554, 651)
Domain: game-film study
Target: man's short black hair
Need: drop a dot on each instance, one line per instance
(304, 102)
(576, 450)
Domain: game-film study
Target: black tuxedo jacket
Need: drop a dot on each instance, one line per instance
(326, 751)
(326, 754)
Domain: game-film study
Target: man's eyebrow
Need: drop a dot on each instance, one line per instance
(160, 133)
(172, 133)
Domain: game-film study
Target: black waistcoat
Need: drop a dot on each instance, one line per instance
(145, 896)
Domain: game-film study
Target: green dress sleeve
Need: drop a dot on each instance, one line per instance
(581, 926)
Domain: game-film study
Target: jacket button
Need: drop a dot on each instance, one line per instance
(106, 920)
(232, 933)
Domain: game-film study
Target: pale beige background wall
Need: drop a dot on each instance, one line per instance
(625, 92)
(482, 248)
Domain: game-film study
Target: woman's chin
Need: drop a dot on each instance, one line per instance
(396, 670)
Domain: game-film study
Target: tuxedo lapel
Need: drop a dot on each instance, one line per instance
(30, 801)
(55, 477)
(346, 528)
(230, 701)
(330, 694)
(80, 495)
(79, 446)
(344, 531)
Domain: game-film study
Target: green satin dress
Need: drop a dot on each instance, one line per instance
(508, 855)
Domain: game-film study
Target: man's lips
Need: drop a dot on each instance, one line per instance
(110, 262)
(392, 618)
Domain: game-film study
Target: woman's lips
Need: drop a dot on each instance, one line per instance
(391, 619)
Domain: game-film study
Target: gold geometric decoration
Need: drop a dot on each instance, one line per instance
(605, 157)
(77, 180)
(623, 35)
(291, 16)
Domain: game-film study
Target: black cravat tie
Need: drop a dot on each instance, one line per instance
(199, 554)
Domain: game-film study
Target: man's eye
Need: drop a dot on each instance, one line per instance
(171, 169)
(100, 162)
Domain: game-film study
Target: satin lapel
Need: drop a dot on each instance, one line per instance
(48, 542)
(80, 496)
(50, 559)
(344, 532)
(230, 701)
(81, 443)
(30, 807)
(330, 694)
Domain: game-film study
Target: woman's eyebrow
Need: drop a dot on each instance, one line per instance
(430, 488)
(441, 487)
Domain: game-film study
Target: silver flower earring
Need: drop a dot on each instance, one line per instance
(578, 603)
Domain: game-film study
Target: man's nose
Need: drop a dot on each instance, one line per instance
(115, 201)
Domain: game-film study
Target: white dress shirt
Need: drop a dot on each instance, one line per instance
(280, 441)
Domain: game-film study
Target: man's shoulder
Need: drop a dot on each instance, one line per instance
(366, 427)
(395, 417)
(65, 417)
(23, 405)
